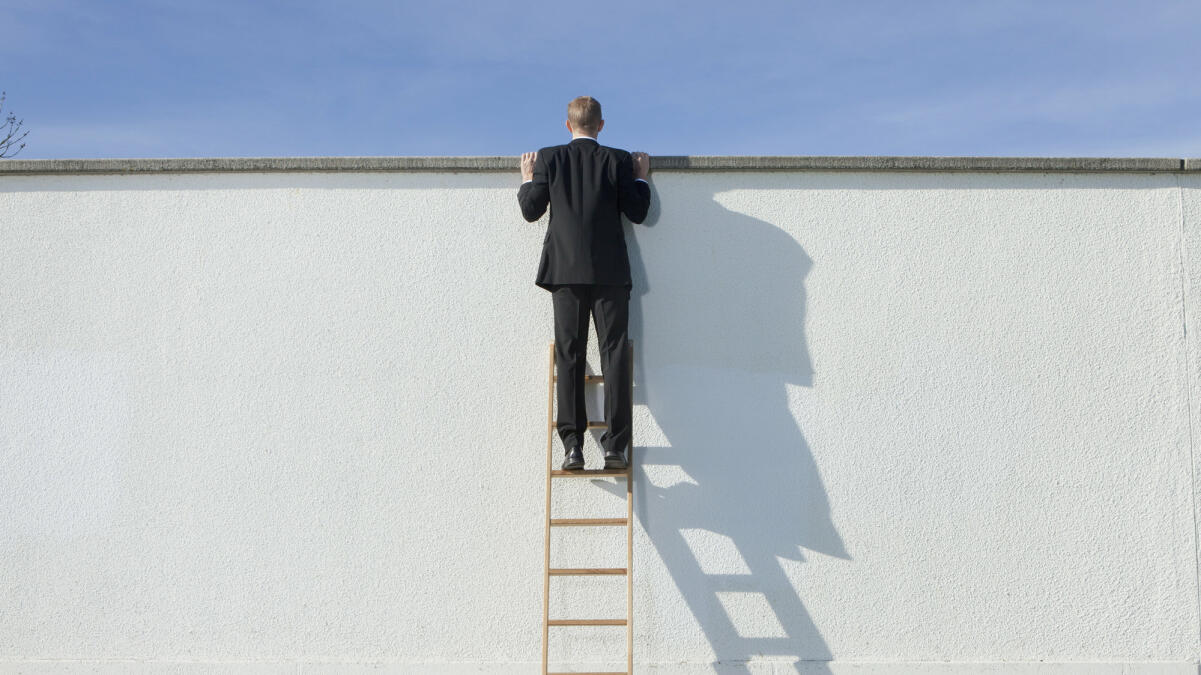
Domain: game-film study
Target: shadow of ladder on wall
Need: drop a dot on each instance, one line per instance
(553, 473)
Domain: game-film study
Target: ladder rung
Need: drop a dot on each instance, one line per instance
(591, 425)
(590, 672)
(587, 378)
(587, 521)
(589, 472)
(586, 622)
(586, 570)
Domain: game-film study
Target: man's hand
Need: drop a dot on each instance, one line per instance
(527, 165)
(642, 164)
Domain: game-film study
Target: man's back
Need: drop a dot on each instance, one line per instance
(587, 186)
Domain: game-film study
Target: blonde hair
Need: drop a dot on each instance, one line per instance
(584, 113)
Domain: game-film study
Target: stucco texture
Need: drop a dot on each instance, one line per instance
(884, 422)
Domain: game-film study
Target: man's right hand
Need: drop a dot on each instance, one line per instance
(642, 164)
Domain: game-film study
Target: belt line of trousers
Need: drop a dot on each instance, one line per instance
(610, 309)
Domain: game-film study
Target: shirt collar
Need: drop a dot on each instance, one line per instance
(584, 138)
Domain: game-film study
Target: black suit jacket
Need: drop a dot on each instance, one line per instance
(588, 186)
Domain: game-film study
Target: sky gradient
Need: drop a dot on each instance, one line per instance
(174, 78)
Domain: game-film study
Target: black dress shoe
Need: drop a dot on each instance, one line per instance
(615, 460)
(574, 459)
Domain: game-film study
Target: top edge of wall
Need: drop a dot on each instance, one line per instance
(659, 163)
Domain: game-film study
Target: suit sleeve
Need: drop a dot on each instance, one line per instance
(534, 195)
(633, 196)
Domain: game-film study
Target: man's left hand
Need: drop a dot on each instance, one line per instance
(527, 165)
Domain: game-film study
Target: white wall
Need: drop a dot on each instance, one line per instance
(886, 422)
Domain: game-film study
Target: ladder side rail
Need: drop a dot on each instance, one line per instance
(630, 526)
(550, 403)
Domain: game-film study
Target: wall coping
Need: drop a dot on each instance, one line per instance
(661, 163)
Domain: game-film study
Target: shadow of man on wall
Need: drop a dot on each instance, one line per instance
(717, 317)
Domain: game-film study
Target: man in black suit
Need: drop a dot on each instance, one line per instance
(586, 268)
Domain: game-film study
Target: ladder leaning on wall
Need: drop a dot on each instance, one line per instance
(628, 521)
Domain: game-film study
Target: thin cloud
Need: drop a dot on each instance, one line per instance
(1010, 102)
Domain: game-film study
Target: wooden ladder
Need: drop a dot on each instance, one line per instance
(628, 521)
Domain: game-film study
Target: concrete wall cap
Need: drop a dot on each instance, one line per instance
(659, 163)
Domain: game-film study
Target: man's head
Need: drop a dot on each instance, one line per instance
(584, 116)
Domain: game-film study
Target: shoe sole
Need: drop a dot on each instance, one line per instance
(615, 464)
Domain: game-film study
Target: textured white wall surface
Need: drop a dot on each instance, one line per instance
(885, 422)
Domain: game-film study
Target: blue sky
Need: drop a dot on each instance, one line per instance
(176, 78)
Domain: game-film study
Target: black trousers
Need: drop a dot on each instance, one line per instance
(610, 309)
